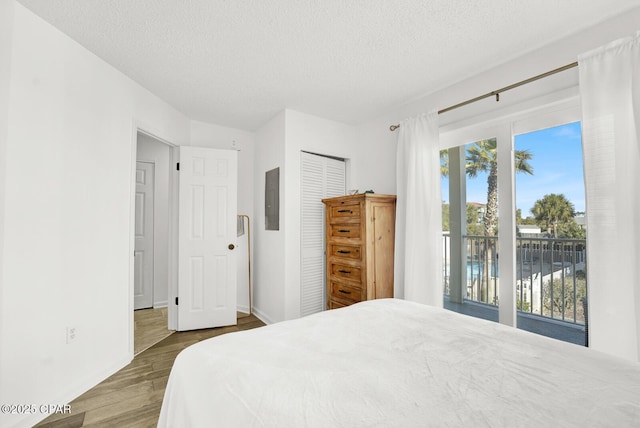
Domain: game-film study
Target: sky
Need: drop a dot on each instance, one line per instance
(557, 168)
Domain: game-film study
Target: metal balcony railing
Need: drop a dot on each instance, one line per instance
(551, 277)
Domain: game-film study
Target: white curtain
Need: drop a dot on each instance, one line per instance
(418, 250)
(610, 93)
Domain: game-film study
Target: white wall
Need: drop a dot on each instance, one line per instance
(151, 150)
(279, 143)
(6, 33)
(220, 137)
(377, 143)
(269, 272)
(321, 136)
(67, 215)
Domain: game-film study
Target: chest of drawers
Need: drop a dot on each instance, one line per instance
(360, 234)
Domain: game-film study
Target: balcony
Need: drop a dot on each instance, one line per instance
(551, 290)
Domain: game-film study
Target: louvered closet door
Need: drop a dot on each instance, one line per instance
(322, 177)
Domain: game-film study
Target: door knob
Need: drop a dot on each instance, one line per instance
(231, 246)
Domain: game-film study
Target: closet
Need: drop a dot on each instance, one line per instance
(321, 177)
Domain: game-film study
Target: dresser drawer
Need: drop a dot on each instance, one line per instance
(345, 271)
(352, 252)
(348, 292)
(344, 212)
(335, 304)
(351, 231)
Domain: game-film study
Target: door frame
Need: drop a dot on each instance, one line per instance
(173, 229)
(543, 112)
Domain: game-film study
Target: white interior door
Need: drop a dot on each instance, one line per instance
(143, 253)
(322, 177)
(206, 238)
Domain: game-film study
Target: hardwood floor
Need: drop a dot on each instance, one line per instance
(132, 397)
(149, 328)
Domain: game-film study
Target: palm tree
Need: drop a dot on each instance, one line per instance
(483, 157)
(553, 209)
(444, 163)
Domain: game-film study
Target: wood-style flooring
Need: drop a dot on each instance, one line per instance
(132, 397)
(149, 328)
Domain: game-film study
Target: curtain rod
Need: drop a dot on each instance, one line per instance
(497, 92)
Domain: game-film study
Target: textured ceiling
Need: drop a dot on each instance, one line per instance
(238, 62)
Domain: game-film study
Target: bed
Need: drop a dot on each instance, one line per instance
(393, 363)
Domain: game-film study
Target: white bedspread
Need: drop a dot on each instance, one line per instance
(392, 363)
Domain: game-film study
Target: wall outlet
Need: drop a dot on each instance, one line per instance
(71, 334)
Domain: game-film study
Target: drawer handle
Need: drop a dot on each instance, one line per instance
(344, 252)
(344, 291)
(345, 211)
(344, 271)
(344, 230)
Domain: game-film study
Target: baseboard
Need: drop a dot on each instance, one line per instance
(162, 304)
(74, 391)
(262, 316)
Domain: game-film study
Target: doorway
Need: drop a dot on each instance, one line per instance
(194, 233)
(152, 241)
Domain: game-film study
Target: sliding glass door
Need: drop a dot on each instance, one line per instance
(513, 245)
(551, 246)
(470, 226)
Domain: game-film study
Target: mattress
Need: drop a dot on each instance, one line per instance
(388, 363)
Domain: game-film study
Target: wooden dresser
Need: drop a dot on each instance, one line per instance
(360, 234)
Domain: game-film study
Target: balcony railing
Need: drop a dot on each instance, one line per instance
(550, 275)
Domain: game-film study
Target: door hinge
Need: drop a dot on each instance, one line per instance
(178, 166)
(176, 301)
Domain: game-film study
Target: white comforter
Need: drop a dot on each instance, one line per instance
(392, 363)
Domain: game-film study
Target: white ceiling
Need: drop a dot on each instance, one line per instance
(239, 62)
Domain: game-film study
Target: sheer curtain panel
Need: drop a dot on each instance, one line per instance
(610, 93)
(418, 253)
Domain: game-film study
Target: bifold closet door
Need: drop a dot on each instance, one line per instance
(322, 177)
